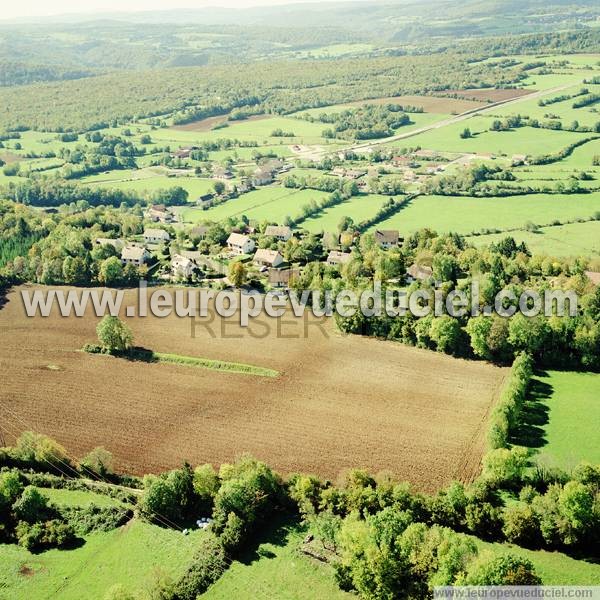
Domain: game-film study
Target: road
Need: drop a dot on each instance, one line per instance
(456, 119)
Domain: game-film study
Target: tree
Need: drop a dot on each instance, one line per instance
(502, 570)
(466, 133)
(111, 271)
(99, 461)
(219, 187)
(446, 332)
(31, 506)
(238, 273)
(113, 335)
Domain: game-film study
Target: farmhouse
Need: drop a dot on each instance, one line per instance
(282, 233)
(159, 213)
(116, 244)
(387, 238)
(267, 258)
(156, 236)
(336, 258)
(223, 173)
(240, 244)
(182, 266)
(417, 273)
(205, 200)
(184, 152)
(134, 254)
(355, 173)
(262, 177)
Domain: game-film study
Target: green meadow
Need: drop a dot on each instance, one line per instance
(574, 239)
(467, 214)
(269, 203)
(132, 556)
(561, 418)
(358, 207)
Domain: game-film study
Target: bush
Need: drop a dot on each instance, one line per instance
(31, 506)
(207, 566)
(114, 335)
(41, 536)
(84, 520)
(502, 570)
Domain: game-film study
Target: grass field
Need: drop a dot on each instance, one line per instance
(525, 140)
(561, 418)
(277, 570)
(575, 239)
(555, 568)
(466, 214)
(357, 207)
(322, 414)
(195, 186)
(268, 203)
(131, 555)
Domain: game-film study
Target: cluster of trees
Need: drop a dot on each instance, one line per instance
(371, 121)
(54, 193)
(562, 97)
(565, 341)
(60, 249)
(323, 183)
(587, 100)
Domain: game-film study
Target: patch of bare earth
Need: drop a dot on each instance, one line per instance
(339, 402)
(429, 104)
(211, 122)
(486, 95)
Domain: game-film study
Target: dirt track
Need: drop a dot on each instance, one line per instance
(340, 402)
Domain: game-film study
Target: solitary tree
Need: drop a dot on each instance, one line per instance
(113, 335)
(238, 273)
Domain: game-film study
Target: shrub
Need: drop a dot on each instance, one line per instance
(114, 335)
(41, 536)
(502, 570)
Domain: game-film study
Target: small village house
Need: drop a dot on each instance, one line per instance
(159, 213)
(280, 232)
(267, 258)
(280, 278)
(418, 273)
(117, 244)
(240, 244)
(182, 267)
(387, 238)
(156, 236)
(134, 254)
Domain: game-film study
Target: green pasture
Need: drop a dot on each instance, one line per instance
(467, 214)
(574, 239)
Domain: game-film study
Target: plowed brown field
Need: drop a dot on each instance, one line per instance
(339, 402)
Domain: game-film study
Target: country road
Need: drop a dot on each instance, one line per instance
(457, 118)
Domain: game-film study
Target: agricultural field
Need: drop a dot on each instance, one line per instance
(466, 214)
(560, 419)
(323, 414)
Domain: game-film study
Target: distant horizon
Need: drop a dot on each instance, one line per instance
(34, 10)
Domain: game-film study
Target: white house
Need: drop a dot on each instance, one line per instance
(240, 244)
(262, 177)
(182, 267)
(387, 238)
(156, 236)
(267, 258)
(281, 233)
(135, 255)
(117, 244)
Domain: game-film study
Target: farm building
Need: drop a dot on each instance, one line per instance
(267, 258)
(182, 266)
(240, 244)
(134, 254)
(280, 232)
(387, 238)
(156, 236)
(335, 258)
(205, 200)
(184, 152)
